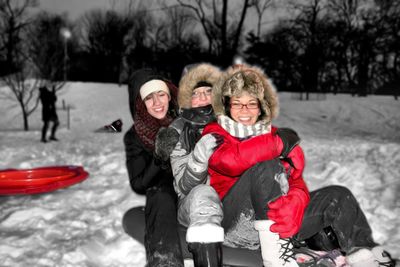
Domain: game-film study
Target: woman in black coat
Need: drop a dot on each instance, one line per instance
(152, 102)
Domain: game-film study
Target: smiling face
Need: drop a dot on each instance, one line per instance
(201, 96)
(244, 109)
(157, 104)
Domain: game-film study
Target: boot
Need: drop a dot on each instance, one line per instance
(383, 257)
(205, 244)
(53, 131)
(206, 254)
(325, 240)
(312, 258)
(275, 252)
(362, 258)
(365, 257)
(44, 131)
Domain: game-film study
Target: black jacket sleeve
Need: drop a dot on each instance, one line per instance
(141, 166)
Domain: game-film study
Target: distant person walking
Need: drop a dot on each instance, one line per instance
(49, 113)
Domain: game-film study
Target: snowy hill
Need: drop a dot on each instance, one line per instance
(348, 141)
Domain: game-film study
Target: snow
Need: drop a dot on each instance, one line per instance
(347, 141)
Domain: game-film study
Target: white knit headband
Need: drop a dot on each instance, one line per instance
(153, 86)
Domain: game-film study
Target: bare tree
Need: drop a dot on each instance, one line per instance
(13, 20)
(24, 91)
(222, 31)
(141, 40)
(47, 48)
(178, 25)
(260, 6)
(308, 25)
(354, 56)
(104, 39)
(21, 85)
(388, 42)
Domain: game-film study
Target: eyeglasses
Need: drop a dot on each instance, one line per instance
(198, 93)
(251, 105)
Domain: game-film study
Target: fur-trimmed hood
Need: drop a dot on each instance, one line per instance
(203, 72)
(231, 83)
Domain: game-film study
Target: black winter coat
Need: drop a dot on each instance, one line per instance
(48, 100)
(142, 168)
(148, 176)
(144, 171)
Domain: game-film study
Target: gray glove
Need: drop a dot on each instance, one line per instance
(165, 142)
(197, 165)
(202, 152)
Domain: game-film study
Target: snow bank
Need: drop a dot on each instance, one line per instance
(347, 141)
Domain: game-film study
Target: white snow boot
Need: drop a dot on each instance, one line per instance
(275, 252)
(383, 257)
(364, 257)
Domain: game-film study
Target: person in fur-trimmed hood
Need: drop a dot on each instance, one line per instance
(153, 104)
(199, 207)
(259, 179)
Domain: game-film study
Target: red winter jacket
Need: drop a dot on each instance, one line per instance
(233, 157)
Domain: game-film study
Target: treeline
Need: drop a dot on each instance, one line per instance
(339, 46)
(342, 46)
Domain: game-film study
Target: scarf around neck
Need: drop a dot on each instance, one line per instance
(243, 131)
(195, 119)
(147, 126)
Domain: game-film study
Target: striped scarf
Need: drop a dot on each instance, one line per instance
(243, 131)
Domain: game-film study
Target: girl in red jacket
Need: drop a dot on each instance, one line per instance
(259, 179)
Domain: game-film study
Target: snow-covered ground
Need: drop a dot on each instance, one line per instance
(348, 141)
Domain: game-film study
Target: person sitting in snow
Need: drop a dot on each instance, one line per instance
(152, 102)
(194, 99)
(199, 209)
(260, 182)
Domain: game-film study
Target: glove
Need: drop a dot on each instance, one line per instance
(289, 139)
(287, 212)
(165, 142)
(202, 152)
(197, 165)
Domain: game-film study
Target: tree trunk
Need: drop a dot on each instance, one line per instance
(26, 122)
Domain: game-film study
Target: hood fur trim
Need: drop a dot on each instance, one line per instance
(265, 92)
(202, 72)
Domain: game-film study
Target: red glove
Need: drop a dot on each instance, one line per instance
(287, 212)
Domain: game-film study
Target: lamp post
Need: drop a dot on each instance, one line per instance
(66, 34)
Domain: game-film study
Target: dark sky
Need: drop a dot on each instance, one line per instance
(75, 8)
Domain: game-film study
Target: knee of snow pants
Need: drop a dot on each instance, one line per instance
(336, 207)
(247, 201)
(201, 206)
(252, 192)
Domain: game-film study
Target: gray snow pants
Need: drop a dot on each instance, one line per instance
(200, 206)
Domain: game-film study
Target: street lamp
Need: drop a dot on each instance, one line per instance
(66, 34)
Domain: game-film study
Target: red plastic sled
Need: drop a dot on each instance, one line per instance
(39, 180)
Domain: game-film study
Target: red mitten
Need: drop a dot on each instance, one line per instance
(287, 212)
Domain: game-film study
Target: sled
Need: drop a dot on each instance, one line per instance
(40, 180)
(234, 257)
(114, 127)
